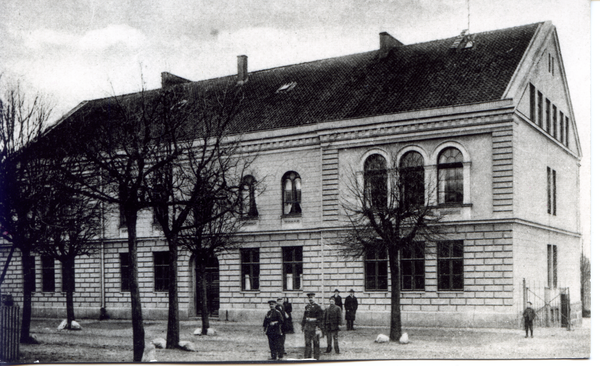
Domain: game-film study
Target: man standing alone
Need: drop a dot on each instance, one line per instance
(333, 319)
(272, 328)
(528, 317)
(312, 320)
(351, 304)
(337, 298)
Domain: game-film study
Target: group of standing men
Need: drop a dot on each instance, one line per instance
(315, 321)
(278, 323)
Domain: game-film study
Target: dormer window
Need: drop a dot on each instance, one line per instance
(286, 87)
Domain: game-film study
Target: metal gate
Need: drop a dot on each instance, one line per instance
(552, 305)
(9, 333)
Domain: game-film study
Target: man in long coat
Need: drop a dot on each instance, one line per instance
(332, 320)
(337, 298)
(351, 304)
(312, 320)
(272, 328)
(528, 317)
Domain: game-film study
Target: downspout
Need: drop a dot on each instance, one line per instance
(321, 232)
(103, 314)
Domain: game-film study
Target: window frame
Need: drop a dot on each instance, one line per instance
(376, 261)
(248, 207)
(250, 268)
(413, 258)
(411, 180)
(48, 274)
(376, 180)
(456, 168)
(453, 262)
(540, 109)
(293, 266)
(125, 270)
(294, 197)
(161, 271)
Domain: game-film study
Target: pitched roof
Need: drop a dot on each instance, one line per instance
(411, 77)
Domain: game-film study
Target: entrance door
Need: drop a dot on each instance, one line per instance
(565, 313)
(212, 290)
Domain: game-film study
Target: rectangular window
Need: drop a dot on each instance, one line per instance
(540, 110)
(548, 122)
(292, 268)
(552, 266)
(48, 274)
(566, 131)
(549, 63)
(376, 270)
(412, 267)
(532, 111)
(562, 128)
(31, 283)
(250, 268)
(450, 265)
(125, 271)
(65, 282)
(551, 190)
(122, 222)
(554, 118)
(161, 271)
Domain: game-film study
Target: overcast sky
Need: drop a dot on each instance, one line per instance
(76, 50)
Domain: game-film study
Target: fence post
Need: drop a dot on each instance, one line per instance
(9, 330)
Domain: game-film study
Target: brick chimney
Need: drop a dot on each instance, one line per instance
(242, 64)
(386, 43)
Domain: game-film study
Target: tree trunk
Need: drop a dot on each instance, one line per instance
(173, 322)
(27, 279)
(137, 320)
(396, 323)
(203, 294)
(70, 281)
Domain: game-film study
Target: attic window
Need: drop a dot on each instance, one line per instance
(286, 87)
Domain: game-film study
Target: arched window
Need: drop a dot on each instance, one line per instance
(450, 176)
(292, 189)
(411, 180)
(249, 209)
(376, 181)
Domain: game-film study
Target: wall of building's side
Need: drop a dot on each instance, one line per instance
(534, 154)
(86, 299)
(531, 268)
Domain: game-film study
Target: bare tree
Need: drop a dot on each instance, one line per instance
(209, 166)
(119, 146)
(390, 211)
(585, 268)
(23, 120)
(72, 222)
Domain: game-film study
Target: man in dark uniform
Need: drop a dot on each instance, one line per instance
(272, 328)
(311, 322)
(528, 317)
(351, 304)
(337, 298)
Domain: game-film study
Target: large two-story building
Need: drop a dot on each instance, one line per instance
(488, 119)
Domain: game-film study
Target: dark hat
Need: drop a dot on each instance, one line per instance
(272, 302)
(279, 298)
(310, 294)
(351, 290)
(336, 290)
(529, 302)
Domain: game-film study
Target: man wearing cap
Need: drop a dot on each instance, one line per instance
(528, 317)
(284, 330)
(351, 304)
(332, 320)
(337, 298)
(312, 320)
(272, 328)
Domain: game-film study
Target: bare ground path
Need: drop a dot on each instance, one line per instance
(111, 341)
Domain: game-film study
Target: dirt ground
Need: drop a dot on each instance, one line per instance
(110, 341)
